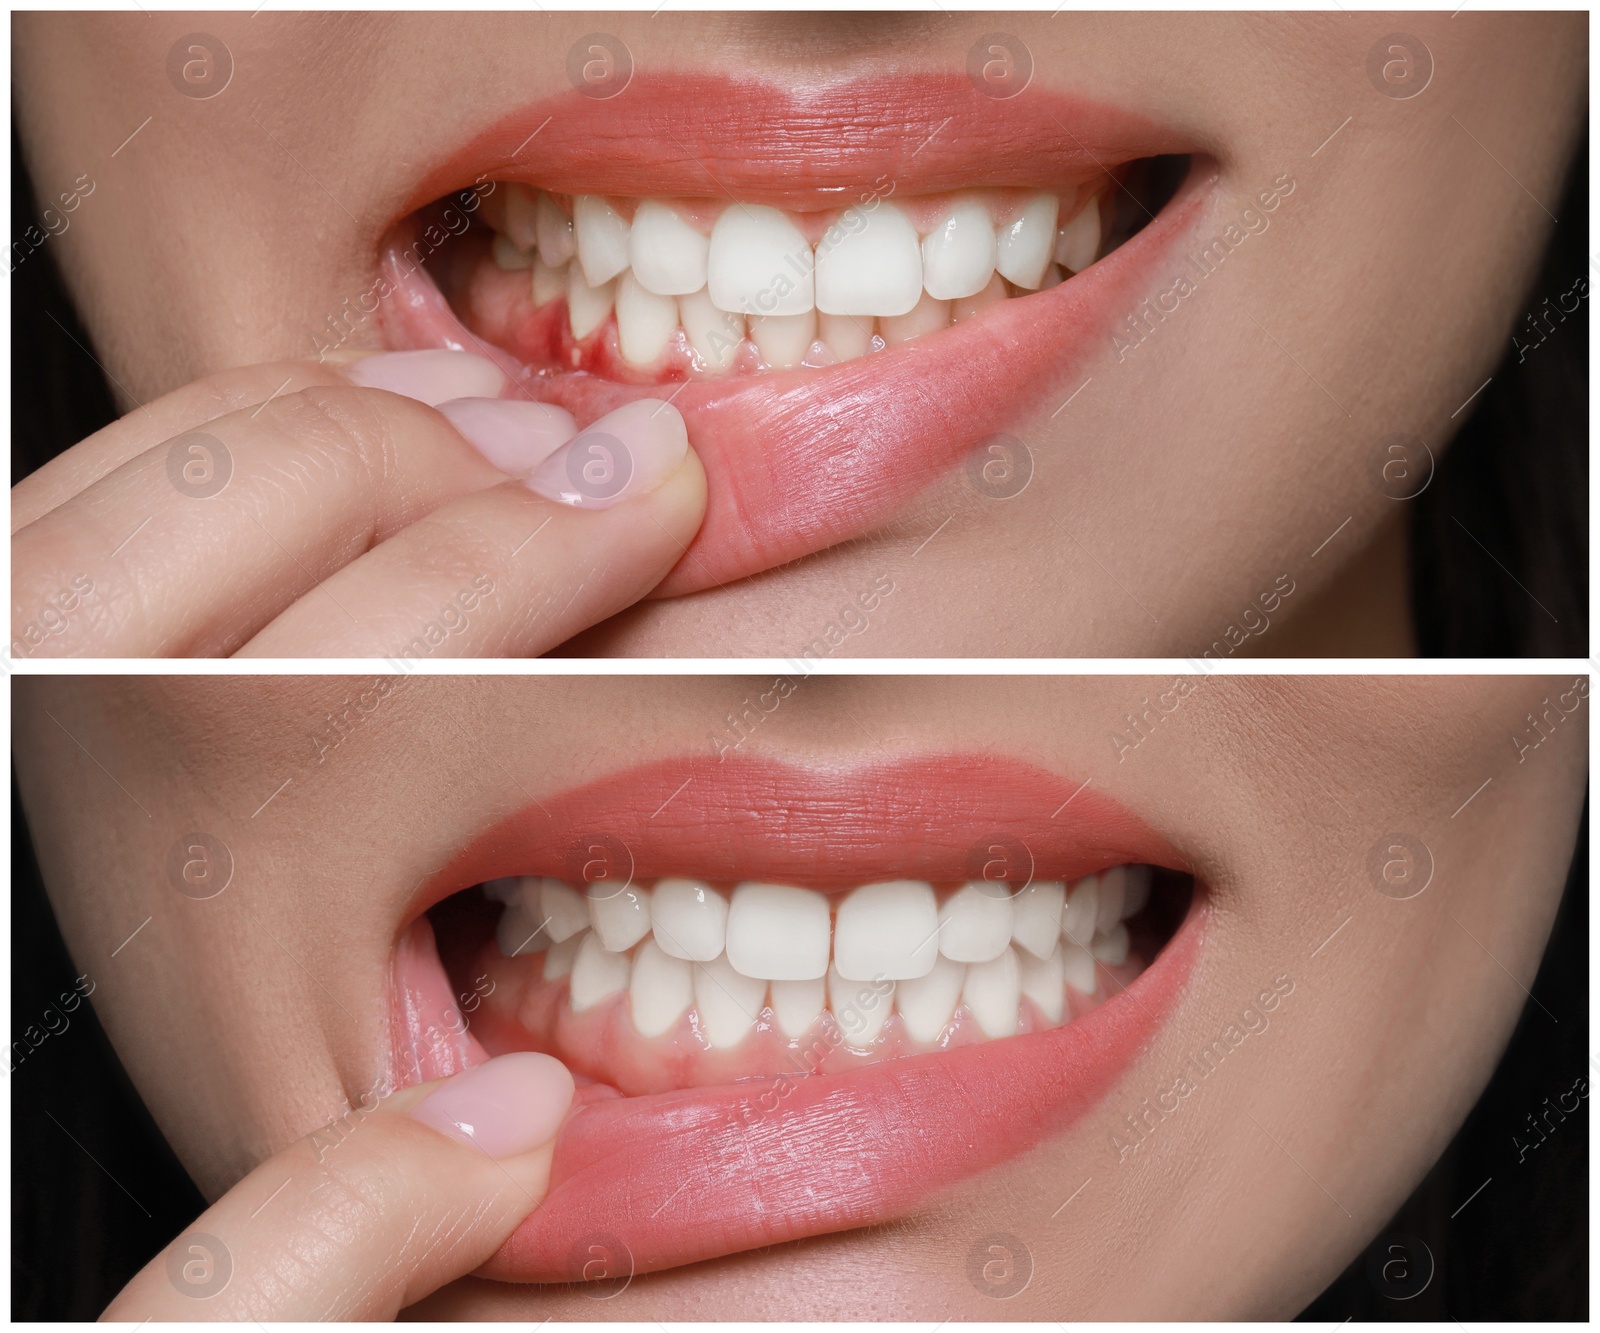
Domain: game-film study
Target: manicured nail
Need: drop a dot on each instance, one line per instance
(625, 453)
(505, 1106)
(432, 377)
(515, 436)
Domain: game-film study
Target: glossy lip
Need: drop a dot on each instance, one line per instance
(798, 461)
(674, 1178)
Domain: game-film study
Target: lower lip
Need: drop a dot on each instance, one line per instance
(800, 460)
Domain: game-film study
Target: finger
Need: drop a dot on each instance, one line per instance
(372, 1213)
(519, 569)
(416, 375)
(193, 552)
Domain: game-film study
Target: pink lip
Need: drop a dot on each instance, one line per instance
(798, 461)
(684, 1176)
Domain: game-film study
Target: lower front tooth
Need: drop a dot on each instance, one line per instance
(847, 336)
(714, 334)
(597, 974)
(1078, 242)
(860, 1008)
(927, 1004)
(796, 1005)
(660, 990)
(1043, 982)
(992, 993)
(783, 340)
(1077, 968)
(548, 283)
(927, 316)
(587, 307)
(969, 306)
(728, 1003)
(508, 257)
(645, 321)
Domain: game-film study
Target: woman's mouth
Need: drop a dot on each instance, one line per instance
(844, 290)
(818, 996)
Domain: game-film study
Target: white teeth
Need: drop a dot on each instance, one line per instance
(759, 263)
(860, 1008)
(1109, 910)
(796, 1005)
(1077, 968)
(521, 215)
(1036, 917)
(1024, 247)
(667, 254)
(1136, 890)
(846, 336)
(974, 305)
(1112, 947)
(992, 992)
(778, 933)
(1082, 910)
(602, 236)
(597, 974)
(518, 932)
(1043, 982)
(505, 890)
(565, 912)
(926, 1004)
(958, 254)
(553, 228)
(1078, 242)
(870, 263)
(728, 1003)
(661, 990)
(587, 307)
(508, 257)
(784, 340)
(645, 322)
(887, 931)
(548, 283)
(558, 961)
(714, 334)
(621, 916)
(690, 919)
(975, 923)
(927, 316)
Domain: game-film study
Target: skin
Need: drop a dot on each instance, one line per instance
(1244, 1204)
(1206, 464)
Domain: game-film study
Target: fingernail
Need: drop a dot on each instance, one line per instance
(515, 436)
(504, 1106)
(432, 377)
(625, 453)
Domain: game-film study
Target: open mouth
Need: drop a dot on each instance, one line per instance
(843, 289)
(817, 996)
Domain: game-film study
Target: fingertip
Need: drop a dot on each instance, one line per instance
(508, 1105)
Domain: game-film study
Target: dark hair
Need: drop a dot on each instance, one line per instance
(1499, 540)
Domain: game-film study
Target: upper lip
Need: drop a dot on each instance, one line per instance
(772, 1160)
(798, 461)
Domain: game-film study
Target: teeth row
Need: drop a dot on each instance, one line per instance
(893, 949)
(874, 279)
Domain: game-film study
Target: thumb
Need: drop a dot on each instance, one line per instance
(357, 1221)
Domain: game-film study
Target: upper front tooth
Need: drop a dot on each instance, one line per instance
(1078, 242)
(1109, 910)
(777, 932)
(886, 931)
(1044, 982)
(1024, 247)
(690, 919)
(621, 916)
(597, 974)
(587, 307)
(645, 321)
(993, 992)
(521, 215)
(668, 255)
(505, 890)
(602, 236)
(1077, 967)
(728, 1003)
(714, 334)
(860, 1008)
(565, 913)
(1082, 910)
(926, 1004)
(975, 924)
(661, 990)
(759, 263)
(1112, 947)
(870, 263)
(553, 228)
(1036, 917)
(958, 254)
(1136, 890)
